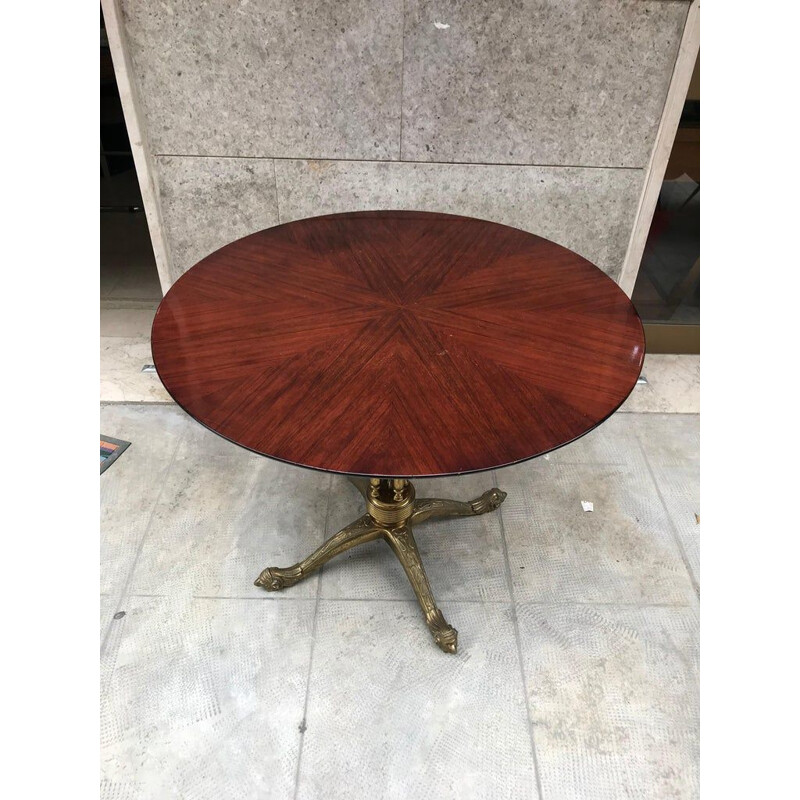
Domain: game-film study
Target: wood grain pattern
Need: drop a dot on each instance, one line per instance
(402, 344)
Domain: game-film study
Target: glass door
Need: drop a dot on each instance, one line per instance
(667, 290)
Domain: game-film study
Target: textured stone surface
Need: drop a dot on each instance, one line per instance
(205, 699)
(108, 605)
(130, 487)
(121, 376)
(537, 82)
(669, 440)
(390, 717)
(680, 493)
(312, 79)
(587, 210)
(622, 552)
(612, 442)
(225, 514)
(673, 385)
(110, 636)
(614, 700)
(672, 446)
(208, 202)
(579, 84)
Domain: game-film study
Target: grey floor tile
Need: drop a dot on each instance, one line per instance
(614, 700)
(673, 385)
(222, 518)
(463, 556)
(202, 440)
(205, 699)
(622, 552)
(130, 487)
(110, 638)
(108, 605)
(390, 716)
(680, 491)
(671, 443)
(669, 440)
(110, 630)
(612, 442)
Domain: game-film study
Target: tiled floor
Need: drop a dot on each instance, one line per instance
(576, 676)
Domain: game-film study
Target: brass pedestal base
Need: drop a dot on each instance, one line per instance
(392, 512)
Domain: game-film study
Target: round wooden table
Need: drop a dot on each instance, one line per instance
(389, 345)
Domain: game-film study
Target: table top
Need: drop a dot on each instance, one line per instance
(397, 344)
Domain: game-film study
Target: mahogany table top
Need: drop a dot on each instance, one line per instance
(397, 344)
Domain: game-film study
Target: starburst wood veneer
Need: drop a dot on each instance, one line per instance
(397, 344)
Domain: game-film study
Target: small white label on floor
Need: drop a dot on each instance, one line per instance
(587, 506)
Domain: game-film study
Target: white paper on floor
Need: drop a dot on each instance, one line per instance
(587, 506)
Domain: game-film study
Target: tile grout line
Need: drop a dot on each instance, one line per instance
(140, 547)
(304, 721)
(601, 463)
(137, 403)
(676, 537)
(455, 600)
(518, 640)
(277, 199)
(400, 161)
(402, 78)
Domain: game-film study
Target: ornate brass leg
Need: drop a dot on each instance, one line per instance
(364, 529)
(392, 510)
(402, 542)
(430, 508)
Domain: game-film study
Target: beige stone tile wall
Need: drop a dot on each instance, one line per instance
(539, 114)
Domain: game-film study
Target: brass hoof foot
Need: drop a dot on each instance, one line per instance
(488, 501)
(274, 579)
(445, 636)
(447, 640)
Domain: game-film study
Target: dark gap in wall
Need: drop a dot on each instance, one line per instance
(128, 271)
